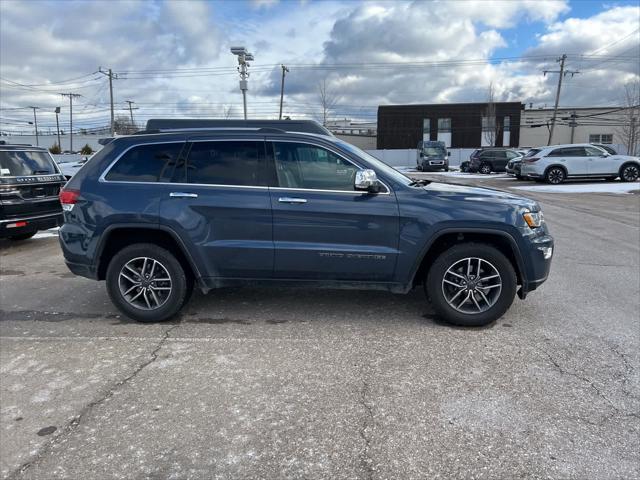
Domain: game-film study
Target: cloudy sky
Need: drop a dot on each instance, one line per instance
(172, 57)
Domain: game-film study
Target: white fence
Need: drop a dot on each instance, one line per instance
(407, 157)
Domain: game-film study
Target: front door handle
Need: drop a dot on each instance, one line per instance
(183, 195)
(292, 200)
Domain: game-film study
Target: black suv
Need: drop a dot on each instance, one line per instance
(157, 213)
(30, 183)
(491, 159)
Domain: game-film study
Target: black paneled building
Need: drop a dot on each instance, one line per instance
(459, 125)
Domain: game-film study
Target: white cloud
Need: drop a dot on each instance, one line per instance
(42, 42)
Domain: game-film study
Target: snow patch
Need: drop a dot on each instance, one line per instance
(604, 187)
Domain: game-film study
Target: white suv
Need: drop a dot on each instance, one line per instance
(557, 163)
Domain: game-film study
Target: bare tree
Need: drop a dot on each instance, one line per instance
(629, 130)
(228, 112)
(489, 125)
(123, 126)
(328, 101)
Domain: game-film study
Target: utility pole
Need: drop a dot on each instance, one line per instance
(71, 97)
(109, 73)
(243, 56)
(58, 128)
(130, 102)
(35, 124)
(284, 71)
(561, 73)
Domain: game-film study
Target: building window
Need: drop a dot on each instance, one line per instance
(601, 138)
(426, 126)
(444, 125)
(507, 123)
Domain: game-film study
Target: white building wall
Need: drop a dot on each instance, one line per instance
(590, 121)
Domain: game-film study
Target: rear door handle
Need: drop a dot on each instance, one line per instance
(292, 200)
(183, 195)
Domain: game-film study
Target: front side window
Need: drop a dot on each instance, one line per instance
(299, 165)
(16, 163)
(146, 163)
(226, 163)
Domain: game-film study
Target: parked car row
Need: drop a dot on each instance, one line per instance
(554, 164)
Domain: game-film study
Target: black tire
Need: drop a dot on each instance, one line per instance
(464, 167)
(555, 175)
(22, 236)
(485, 168)
(446, 169)
(419, 168)
(503, 298)
(630, 172)
(519, 177)
(177, 296)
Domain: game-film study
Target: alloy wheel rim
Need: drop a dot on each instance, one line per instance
(145, 283)
(485, 169)
(630, 174)
(471, 285)
(556, 175)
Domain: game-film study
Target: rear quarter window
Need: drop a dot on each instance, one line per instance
(146, 163)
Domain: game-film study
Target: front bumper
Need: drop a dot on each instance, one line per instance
(23, 225)
(540, 253)
(432, 165)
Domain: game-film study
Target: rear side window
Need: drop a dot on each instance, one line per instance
(226, 163)
(567, 152)
(15, 163)
(532, 152)
(146, 163)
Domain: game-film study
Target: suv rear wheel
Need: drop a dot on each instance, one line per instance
(471, 284)
(147, 283)
(555, 175)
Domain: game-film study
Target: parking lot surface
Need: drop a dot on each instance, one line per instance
(285, 383)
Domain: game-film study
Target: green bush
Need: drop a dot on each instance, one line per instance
(86, 150)
(55, 149)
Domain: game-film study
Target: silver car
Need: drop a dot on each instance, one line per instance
(556, 163)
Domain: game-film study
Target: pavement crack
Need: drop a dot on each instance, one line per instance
(367, 424)
(584, 379)
(70, 427)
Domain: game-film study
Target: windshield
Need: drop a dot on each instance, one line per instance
(17, 163)
(378, 164)
(433, 151)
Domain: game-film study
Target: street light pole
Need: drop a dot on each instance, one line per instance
(35, 124)
(243, 57)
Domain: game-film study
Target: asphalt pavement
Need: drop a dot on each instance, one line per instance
(287, 383)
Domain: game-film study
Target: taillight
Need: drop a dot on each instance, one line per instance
(68, 198)
(531, 160)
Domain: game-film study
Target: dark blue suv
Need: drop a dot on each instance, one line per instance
(157, 213)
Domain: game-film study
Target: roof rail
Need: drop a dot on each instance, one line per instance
(207, 124)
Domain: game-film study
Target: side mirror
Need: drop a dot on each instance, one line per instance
(367, 180)
(604, 155)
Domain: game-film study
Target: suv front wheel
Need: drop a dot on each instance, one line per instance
(471, 284)
(147, 283)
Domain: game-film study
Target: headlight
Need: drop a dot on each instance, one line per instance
(533, 219)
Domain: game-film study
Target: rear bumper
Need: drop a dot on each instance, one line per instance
(27, 224)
